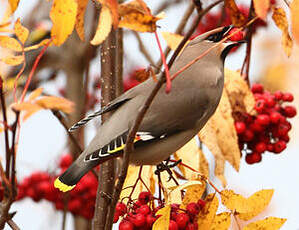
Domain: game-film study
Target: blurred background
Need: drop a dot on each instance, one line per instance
(43, 140)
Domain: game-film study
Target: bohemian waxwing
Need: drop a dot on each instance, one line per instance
(172, 119)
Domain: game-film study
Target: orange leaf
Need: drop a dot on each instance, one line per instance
(10, 43)
(270, 223)
(193, 194)
(113, 6)
(63, 15)
(294, 8)
(162, 223)
(104, 26)
(207, 214)
(34, 47)
(237, 18)
(13, 60)
(26, 107)
(261, 8)
(80, 18)
(222, 221)
(13, 5)
(21, 31)
(56, 103)
(34, 94)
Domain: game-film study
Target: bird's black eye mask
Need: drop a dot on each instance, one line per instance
(217, 37)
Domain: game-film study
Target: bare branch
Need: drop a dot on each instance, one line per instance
(143, 49)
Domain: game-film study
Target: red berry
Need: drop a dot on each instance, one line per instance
(126, 225)
(256, 127)
(260, 147)
(270, 147)
(240, 127)
(173, 225)
(263, 119)
(192, 208)
(144, 197)
(65, 161)
(138, 220)
(75, 206)
(201, 203)
(288, 97)
(270, 101)
(260, 105)
(253, 158)
(278, 95)
(150, 219)
(175, 207)
(290, 111)
(121, 208)
(116, 217)
(248, 135)
(282, 130)
(182, 220)
(173, 215)
(237, 35)
(144, 209)
(192, 226)
(257, 88)
(275, 117)
(136, 205)
(279, 146)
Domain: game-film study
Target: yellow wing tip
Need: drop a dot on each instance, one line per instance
(61, 186)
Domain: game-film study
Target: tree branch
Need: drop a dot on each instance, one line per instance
(143, 49)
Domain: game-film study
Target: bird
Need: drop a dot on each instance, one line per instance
(171, 120)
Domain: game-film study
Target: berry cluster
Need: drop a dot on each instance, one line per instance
(79, 201)
(268, 130)
(142, 214)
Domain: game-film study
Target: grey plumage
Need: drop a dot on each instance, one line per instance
(172, 119)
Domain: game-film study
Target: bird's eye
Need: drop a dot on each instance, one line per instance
(216, 37)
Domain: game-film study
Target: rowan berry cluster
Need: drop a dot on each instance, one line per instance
(268, 130)
(79, 201)
(142, 214)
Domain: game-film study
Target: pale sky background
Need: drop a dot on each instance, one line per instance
(43, 140)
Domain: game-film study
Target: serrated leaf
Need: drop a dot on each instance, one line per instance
(162, 223)
(207, 214)
(280, 19)
(237, 18)
(80, 18)
(10, 43)
(13, 60)
(294, 8)
(13, 5)
(222, 221)
(193, 194)
(56, 103)
(240, 96)
(259, 201)
(34, 94)
(104, 26)
(270, 223)
(63, 15)
(261, 8)
(235, 201)
(21, 31)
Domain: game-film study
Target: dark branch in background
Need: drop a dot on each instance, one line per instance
(246, 63)
(13, 225)
(166, 4)
(143, 49)
(129, 148)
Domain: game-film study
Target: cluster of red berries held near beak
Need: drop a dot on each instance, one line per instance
(268, 130)
(141, 214)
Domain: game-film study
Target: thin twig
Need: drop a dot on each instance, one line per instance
(287, 3)
(13, 154)
(143, 49)
(13, 225)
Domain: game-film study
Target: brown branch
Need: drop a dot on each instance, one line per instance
(143, 49)
(13, 225)
(166, 4)
(13, 154)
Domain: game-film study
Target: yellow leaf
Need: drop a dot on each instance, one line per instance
(172, 39)
(239, 93)
(222, 221)
(56, 103)
(13, 5)
(203, 164)
(223, 124)
(162, 223)
(63, 15)
(34, 47)
(104, 26)
(193, 194)
(237, 18)
(21, 31)
(259, 201)
(80, 18)
(34, 94)
(235, 201)
(261, 8)
(280, 19)
(208, 136)
(10, 43)
(270, 223)
(27, 107)
(294, 8)
(13, 60)
(113, 6)
(207, 214)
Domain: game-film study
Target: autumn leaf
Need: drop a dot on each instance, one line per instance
(294, 8)
(34, 47)
(63, 15)
(235, 201)
(193, 194)
(10, 43)
(174, 194)
(34, 94)
(172, 39)
(270, 223)
(28, 108)
(80, 18)
(56, 103)
(13, 60)
(261, 8)
(113, 6)
(221, 221)
(162, 223)
(13, 5)
(280, 19)
(21, 31)
(259, 201)
(104, 26)
(207, 214)
(237, 18)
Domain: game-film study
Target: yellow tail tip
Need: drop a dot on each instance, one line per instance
(61, 186)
